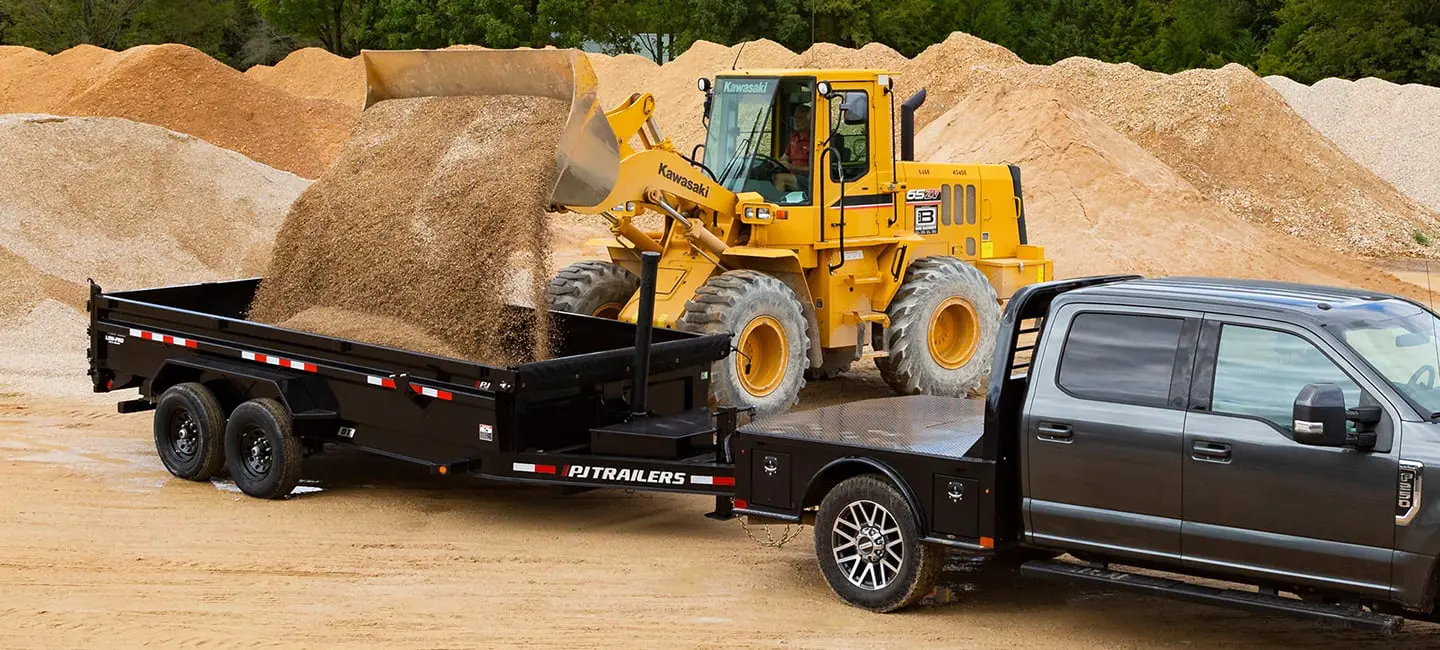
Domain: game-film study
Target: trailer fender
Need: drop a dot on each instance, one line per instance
(840, 469)
(307, 397)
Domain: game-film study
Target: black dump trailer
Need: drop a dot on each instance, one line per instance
(231, 393)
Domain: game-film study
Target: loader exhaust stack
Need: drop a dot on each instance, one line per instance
(588, 154)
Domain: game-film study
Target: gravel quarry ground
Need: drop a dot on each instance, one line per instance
(101, 546)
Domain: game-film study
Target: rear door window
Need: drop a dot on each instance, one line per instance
(1126, 358)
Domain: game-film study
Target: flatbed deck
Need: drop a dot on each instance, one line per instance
(942, 427)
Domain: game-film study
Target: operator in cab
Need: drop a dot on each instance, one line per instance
(797, 153)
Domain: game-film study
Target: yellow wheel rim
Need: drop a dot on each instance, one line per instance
(954, 333)
(762, 357)
(609, 310)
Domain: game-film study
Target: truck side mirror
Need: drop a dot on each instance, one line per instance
(1320, 417)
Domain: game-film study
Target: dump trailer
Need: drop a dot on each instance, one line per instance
(1302, 420)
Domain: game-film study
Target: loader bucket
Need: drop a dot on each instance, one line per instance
(587, 156)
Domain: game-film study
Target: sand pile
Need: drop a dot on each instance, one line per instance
(426, 217)
(182, 89)
(130, 205)
(678, 103)
(953, 68)
(314, 73)
(1234, 138)
(1102, 204)
(372, 328)
(44, 84)
(1393, 130)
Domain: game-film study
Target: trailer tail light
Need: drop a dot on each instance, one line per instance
(444, 470)
(742, 504)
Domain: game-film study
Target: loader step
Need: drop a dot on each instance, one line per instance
(1353, 617)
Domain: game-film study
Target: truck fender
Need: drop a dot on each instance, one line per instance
(305, 396)
(840, 469)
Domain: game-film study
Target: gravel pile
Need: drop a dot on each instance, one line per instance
(429, 216)
(1390, 128)
(130, 205)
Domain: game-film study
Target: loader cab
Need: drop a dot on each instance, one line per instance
(761, 136)
(806, 141)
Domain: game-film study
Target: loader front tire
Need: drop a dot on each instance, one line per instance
(943, 323)
(767, 369)
(592, 288)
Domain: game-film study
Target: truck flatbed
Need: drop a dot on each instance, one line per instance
(926, 425)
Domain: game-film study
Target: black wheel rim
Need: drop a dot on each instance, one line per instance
(183, 435)
(258, 454)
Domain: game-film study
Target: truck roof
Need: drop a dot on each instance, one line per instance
(1318, 304)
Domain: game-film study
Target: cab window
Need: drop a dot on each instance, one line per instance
(1259, 373)
(850, 136)
(1120, 358)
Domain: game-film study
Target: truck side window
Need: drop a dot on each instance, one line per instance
(1120, 358)
(1259, 373)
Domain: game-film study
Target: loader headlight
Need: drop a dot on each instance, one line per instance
(763, 214)
(749, 213)
(756, 214)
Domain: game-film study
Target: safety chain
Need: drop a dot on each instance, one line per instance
(789, 534)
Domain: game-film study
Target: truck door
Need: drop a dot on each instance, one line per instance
(1103, 431)
(1255, 501)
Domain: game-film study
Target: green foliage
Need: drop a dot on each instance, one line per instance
(55, 25)
(1422, 238)
(1397, 40)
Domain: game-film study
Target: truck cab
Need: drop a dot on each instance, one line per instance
(1270, 434)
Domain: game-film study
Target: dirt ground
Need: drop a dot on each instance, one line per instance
(100, 546)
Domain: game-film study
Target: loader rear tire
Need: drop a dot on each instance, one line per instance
(592, 288)
(943, 323)
(763, 316)
(190, 432)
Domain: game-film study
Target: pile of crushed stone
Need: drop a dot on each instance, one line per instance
(433, 210)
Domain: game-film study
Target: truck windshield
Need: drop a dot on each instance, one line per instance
(1405, 350)
(740, 126)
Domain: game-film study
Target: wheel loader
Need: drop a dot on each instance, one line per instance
(798, 226)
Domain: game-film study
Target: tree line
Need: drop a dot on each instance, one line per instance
(1307, 40)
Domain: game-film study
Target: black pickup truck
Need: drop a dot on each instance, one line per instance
(1266, 434)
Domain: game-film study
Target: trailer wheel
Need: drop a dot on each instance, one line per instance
(593, 288)
(943, 324)
(766, 370)
(190, 431)
(867, 539)
(261, 449)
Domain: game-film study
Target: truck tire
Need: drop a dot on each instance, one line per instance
(190, 432)
(592, 288)
(867, 539)
(763, 315)
(261, 449)
(943, 323)
(836, 363)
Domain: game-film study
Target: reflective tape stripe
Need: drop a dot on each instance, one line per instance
(384, 382)
(278, 361)
(163, 338)
(712, 480)
(432, 392)
(532, 468)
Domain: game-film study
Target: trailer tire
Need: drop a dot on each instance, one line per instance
(190, 432)
(593, 288)
(862, 570)
(943, 323)
(261, 450)
(770, 333)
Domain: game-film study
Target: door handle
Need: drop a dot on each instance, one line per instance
(1210, 452)
(1055, 432)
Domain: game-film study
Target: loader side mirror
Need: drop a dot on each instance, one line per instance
(855, 110)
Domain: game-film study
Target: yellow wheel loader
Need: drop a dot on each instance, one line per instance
(797, 226)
